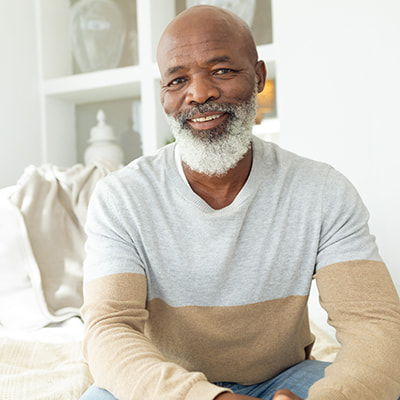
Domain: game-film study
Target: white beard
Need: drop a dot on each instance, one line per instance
(214, 152)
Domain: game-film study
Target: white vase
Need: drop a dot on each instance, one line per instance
(243, 8)
(97, 31)
(103, 145)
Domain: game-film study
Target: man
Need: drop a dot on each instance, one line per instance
(200, 258)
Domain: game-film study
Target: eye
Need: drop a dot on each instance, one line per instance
(224, 72)
(176, 82)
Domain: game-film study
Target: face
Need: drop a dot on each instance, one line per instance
(209, 80)
(215, 151)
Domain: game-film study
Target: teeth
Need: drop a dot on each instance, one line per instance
(204, 119)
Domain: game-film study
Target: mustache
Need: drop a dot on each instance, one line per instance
(183, 116)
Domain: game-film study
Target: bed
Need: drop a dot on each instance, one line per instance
(41, 254)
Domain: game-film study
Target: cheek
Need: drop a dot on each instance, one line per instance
(239, 96)
(240, 90)
(171, 103)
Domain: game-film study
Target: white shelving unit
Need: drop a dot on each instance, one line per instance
(63, 91)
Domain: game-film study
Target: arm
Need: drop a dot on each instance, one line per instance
(357, 292)
(121, 358)
(363, 306)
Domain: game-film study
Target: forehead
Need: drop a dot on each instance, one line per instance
(200, 46)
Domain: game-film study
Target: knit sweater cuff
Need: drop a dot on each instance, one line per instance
(205, 390)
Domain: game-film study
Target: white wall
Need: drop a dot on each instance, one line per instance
(338, 83)
(20, 141)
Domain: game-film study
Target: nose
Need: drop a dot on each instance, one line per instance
(201, 90)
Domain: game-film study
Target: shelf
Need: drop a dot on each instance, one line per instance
(97, 86)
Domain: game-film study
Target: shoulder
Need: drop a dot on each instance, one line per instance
(133, 187)
(290, 167)
(140, 172)
(306, 181)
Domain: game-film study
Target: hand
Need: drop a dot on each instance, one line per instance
(283, 394)
(233, 396)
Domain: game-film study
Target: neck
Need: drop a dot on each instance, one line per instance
(220, 191)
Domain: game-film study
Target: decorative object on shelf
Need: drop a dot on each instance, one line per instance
(103, 143)
(244, 8)
(97, 31)
(266, 102)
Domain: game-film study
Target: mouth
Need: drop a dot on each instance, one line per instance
(207, 121)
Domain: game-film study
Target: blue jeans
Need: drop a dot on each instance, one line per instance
(297, 379)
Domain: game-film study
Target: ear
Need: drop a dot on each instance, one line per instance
(261, 75)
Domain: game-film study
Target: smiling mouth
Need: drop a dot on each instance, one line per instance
(208, 118)
(206, 121)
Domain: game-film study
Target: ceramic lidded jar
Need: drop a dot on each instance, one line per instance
(97, 32)
(103, 145)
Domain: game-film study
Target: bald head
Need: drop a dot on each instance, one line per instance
(208, 54)
(210, 76)
(210, 23)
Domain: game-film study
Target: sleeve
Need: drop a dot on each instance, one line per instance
(363, 306)
(344, 227)
(121, 358)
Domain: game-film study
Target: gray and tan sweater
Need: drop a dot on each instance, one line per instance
(179, 295)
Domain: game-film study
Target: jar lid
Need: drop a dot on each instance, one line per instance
(101, 131)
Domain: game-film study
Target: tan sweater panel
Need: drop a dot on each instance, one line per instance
(244, 344)
(363, 306)
(186, 345)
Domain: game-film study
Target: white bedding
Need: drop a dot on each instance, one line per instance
(43, 364)
(67, 331)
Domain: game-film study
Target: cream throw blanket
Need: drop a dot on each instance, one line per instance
(50, 205)
(42, 371)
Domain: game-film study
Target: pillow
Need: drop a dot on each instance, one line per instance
(19, 307)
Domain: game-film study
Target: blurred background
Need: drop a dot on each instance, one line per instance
(333, 93)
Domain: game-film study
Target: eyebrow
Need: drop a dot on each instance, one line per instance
(219, 59)
(173, 70)
(215, 60)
